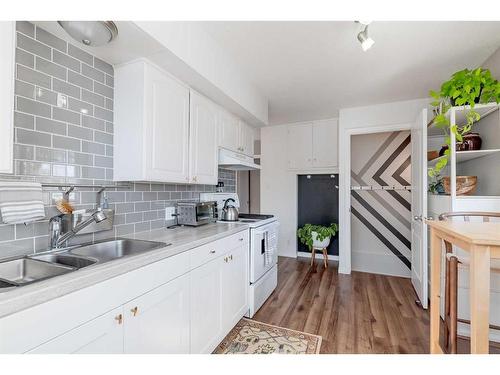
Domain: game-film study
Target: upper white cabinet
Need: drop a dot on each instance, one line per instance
(7, 41)
(325, 144)
(229, 131)
(299, 146)
(234, 134)
(203, 168)
(246, 139)
(162, 134)
(152, 125)
(313, 145)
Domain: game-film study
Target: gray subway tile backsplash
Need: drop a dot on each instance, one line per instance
(54, 144)
(32, 76)
(50, 39)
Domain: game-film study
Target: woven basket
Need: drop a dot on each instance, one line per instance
(466, 185)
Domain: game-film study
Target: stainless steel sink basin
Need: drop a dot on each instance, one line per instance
(65, 259)
(109, 250)
(24, 271)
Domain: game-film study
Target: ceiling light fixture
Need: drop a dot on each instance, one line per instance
(363, 38)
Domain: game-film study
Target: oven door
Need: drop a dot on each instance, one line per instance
(205, 213)
(263, 250)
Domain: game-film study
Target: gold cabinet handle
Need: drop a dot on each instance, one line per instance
(134, 310)
(231, 257)
(241, 239)
(225, 259)
(119, 318)
(212, 251)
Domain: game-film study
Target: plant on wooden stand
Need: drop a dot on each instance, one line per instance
(309, 233)
(465, 87)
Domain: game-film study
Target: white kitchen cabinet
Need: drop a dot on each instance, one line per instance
(313, 145)
(158, 321)
(219, 295)
(7, 41)
(229, 131)
(234, 286)
(151, 139)
(185, 303)
(203, 167)
(206, 306)
(325, 144)
(234, 134)
(103, 334)
(246, 139)
(299, 145)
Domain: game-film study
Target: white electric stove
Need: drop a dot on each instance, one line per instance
(263, 250)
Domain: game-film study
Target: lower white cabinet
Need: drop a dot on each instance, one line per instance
(190, 313)
(234, 287)
(206, 306)
(158, 321)
(103, 334)
(219, 298)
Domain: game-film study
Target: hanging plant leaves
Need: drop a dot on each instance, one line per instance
(465, 87)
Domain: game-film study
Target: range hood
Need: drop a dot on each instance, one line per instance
(235, 161)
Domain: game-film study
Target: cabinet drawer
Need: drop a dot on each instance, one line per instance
(213, 250)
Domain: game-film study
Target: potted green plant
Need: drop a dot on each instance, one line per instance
(464, 88)
(436, 185)
(317, 236)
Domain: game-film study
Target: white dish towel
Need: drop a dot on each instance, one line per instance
(21, 202)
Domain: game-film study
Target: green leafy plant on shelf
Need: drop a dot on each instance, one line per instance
(464, 88)
(323, 232)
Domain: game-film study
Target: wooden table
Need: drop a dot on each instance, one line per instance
(482, 241)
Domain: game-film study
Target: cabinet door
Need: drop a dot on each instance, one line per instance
(206, 282)
(229, 131)
(235, 285)
(203, 167)
(299, 146)
(167, 140)
(246, 139)
(158, 321)
(325, 144)
(7, 41)
(102, 335)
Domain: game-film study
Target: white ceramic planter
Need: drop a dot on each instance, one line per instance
(319, 244)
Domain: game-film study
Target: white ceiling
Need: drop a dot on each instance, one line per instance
(309, 70)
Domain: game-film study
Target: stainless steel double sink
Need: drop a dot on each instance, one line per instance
(29, 269)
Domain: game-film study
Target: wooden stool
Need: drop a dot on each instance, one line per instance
(325, 256)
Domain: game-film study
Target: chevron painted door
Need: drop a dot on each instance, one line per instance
(419, 262)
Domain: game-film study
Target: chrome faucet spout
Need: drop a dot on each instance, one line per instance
(57, 239)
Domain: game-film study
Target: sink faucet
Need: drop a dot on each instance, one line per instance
(55, 223)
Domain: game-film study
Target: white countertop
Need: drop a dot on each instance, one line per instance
(181, 239)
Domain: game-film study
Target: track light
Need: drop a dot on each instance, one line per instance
(365, 40)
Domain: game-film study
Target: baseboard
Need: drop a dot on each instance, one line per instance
(317, 255)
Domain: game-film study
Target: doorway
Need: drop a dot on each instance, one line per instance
(381, 203)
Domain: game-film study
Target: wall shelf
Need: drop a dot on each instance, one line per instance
(483, 109)
(463, 156)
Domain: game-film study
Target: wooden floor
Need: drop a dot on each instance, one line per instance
(357, 313)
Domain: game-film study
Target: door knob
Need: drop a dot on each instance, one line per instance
(417, 218)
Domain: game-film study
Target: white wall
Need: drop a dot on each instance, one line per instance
(380, 117)
(279, 186)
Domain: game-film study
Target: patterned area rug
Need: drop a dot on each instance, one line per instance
(252, 337)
